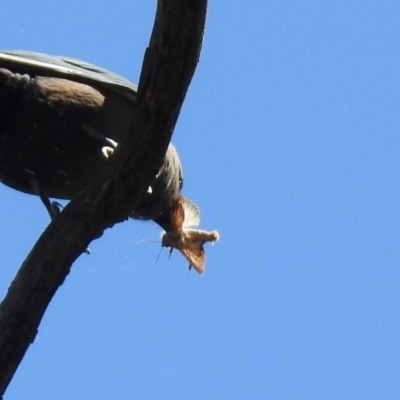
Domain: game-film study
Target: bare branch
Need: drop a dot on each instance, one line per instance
(168, 67)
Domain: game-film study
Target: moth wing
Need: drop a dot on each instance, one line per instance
(178, 214)
(195, 255)
(200, 236)
(191, 214)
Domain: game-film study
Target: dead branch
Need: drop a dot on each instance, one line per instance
(168, 67)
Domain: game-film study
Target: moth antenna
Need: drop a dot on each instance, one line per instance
(158, 257)
(141, 241)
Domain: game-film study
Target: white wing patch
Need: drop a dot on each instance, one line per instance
(192, 214)
(107, 150)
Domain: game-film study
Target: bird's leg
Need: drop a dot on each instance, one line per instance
(55, 208)
(52, 207)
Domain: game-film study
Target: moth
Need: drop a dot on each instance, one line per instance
(185, 215)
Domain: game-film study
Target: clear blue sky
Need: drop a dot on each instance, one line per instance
(289, 139)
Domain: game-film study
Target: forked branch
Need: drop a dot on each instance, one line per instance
(169, 63)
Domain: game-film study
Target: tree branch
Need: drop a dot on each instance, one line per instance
(168, 67)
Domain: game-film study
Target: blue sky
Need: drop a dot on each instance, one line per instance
(289, 138)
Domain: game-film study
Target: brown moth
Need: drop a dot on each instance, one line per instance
(189, 242)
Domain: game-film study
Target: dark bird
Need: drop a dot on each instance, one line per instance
(60, 120)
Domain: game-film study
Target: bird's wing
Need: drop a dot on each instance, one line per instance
(65, 67)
